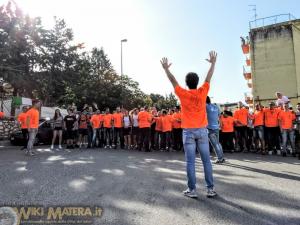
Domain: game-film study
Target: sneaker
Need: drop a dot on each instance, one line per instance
(190, 193)
(211, 193)
(30, 153)
(59, 147)
(110, 147)
(270, 152)
(52, 147)
(220, 161)
(279, 152)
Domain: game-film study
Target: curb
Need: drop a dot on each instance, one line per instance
(5, 143)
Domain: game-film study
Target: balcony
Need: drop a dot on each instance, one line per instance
(246, 48)
(248, 62)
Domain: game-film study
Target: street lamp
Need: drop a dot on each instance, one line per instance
(123, 40)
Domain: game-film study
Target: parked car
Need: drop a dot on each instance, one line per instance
(44, 135)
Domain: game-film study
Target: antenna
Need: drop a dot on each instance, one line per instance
(253, 8)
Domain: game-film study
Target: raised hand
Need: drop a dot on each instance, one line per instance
(212, 57)
(165, 64)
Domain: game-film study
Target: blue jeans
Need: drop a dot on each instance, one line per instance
(288, 133)
(197, 138)
(213, 136)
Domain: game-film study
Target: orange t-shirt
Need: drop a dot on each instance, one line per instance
(83, 121)
(258, 118)
(158, 125)
(271, 117)
(286, 118)
(107, 118)
(95, 120)
(193, 106)
(166, 123)
(177, 120)
(227, 124)
(22, 120)
(144, 118)
(1, 115)
(118, 118)
(242, 116)
(34, 117)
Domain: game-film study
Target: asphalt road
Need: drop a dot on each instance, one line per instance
(145, 188)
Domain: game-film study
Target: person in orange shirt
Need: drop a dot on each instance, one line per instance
(154, 112)
(22, 117)
(158, 129)
(227, 127)
(241, 121)
(107, 124)
(83, 121)
(32, 123)
(96, 124)
(117, 118)
(2, 115)
(177, 131)
(272, 128)
(101, 130)
(166, 121)
(194, 123)
(145, 120)
(286, 119)
(258, 123)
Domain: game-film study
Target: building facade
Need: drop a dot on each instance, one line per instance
(274, 53)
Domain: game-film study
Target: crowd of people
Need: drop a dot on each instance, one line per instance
(142, 129)
(266, 130)
(192, 127)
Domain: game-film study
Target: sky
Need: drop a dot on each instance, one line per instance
(182, 30)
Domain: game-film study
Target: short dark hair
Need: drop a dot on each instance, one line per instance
(35, 101)
(191, 80)
(208, 101)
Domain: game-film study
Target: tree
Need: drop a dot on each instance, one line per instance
(47, 64)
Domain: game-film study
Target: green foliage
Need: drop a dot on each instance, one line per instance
(47, 64)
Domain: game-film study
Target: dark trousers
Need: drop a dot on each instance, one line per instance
(273, 138)
(118, 132)
(152, 136)
(166, 140)
(90, 136)
(242, 137)
(297, 140)
(107, 136)
(25, 137)
(144, 138)
(101, 137)
(250, 138)
(157, 139)
(227, 141)
(177, 138)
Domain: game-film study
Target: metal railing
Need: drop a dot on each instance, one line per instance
(266, 21)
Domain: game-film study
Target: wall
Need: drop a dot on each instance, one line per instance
(273, 62)
(6, 128)
(296, 42)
